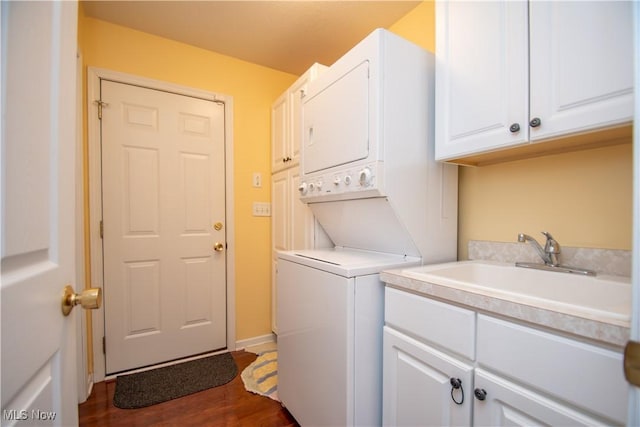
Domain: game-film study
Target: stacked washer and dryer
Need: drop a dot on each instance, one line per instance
(369, 176)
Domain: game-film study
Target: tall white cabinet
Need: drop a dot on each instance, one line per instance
(292, 223)
(511, 73)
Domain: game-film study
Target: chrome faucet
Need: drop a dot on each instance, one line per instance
(549, 255)
(551, 248)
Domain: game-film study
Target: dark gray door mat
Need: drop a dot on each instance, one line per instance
(171, 382)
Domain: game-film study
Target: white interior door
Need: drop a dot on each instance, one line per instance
(163, 166)
(38, 189)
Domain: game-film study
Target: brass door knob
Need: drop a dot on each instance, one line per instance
(89, 299)
(218, 247)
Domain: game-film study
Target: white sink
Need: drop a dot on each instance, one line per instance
(605, 298)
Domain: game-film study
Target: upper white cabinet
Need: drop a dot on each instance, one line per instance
(280, 133)
(511, 73)
(286, 122)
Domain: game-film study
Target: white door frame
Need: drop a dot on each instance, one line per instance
(94, 75)
(84, 379)
(634, 392)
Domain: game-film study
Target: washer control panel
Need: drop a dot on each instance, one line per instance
(363, 181)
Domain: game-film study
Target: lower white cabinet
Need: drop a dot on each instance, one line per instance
(508, 404)
(418, 388)
(515, 374)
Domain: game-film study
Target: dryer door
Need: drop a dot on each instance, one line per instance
(336, 122)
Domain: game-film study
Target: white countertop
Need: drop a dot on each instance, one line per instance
(601, 331)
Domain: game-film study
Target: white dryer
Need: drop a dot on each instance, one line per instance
(369, 176)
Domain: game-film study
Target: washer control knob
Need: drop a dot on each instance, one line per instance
(347, 180)
(302, 188)
(312, 187)
(337, 181)
(365, 177)
(319, 185)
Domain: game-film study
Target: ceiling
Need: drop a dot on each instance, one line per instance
(287, 35)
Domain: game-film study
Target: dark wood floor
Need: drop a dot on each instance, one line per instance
(226, 405)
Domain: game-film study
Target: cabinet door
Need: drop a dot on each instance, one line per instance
(545, 361)
(481, 76)
(416, 384)
(280, 134)
(280, 211)
(581, 65)
(279, 232)
(295, 94)
(507, 404)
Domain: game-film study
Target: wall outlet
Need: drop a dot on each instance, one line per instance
(261, 209)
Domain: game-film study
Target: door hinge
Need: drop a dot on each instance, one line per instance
(632, 363)
(101, 229)
(104, 345)
(100, 104)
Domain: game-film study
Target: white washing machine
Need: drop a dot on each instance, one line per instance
(330, 317)
(369, 176)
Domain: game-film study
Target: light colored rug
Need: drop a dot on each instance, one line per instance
(261, 376)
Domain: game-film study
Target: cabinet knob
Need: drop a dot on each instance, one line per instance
(480, 393)
(514, 128)
(535, 122)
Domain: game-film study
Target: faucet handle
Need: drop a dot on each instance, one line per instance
(551, 246)
(552, 249)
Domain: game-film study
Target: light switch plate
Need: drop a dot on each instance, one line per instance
(261, 209)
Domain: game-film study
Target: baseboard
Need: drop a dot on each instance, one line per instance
(242, 344)
(89, 385)
(86, 389)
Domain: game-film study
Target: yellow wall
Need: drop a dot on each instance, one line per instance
(253, 89)
(418, 26)
(583, 198)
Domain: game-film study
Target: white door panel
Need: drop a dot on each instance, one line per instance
(333, 136)
(417, 384)
(38, 212)
(576, 49)
(163, 191)
(508, 404)
(481, 76)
